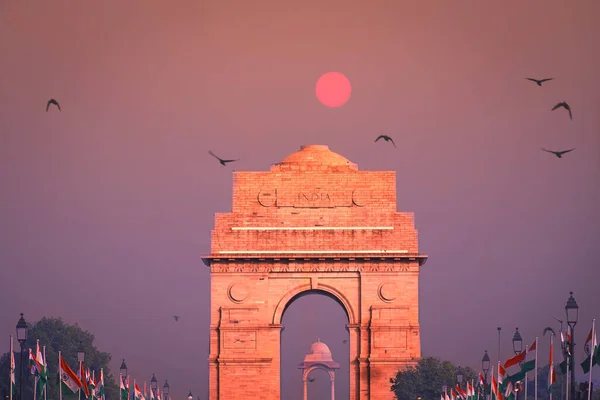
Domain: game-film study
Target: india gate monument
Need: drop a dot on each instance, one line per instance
(314, 223)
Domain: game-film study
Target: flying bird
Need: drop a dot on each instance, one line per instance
(176, 318)
(558, 154)
(539, 81)
(52, 101)
(345, 341)
(386, 138)
(311, 379)
(548, 329)
(223, 162)
(566, 106)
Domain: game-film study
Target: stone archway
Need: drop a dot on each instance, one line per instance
(313, 222)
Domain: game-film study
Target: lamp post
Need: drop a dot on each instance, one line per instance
(190, 397)
(166, 388)
(572, 311)
(517, 342)
(22, 329)
(499, 329)
(153, 384)
(485, 366)
(123, 371)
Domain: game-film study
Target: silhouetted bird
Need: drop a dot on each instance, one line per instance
(311, 379)
(558, 154)
(223, 162)
(176, 318)
(386, 138)
(345, 341)
(565, 106)
(539, 81)
(52, 101)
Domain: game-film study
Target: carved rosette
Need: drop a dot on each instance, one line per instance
(238, 292)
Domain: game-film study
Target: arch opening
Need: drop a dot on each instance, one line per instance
(310, 316)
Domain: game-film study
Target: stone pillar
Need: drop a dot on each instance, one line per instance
(332, 389)
(305, 391)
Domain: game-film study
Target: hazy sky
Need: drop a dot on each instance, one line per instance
(106, 207)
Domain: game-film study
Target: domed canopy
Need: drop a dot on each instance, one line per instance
(317, 157)
(319, 354)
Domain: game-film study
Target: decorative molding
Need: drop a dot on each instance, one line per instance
(275, 252)
(261, 267)
(312, 228)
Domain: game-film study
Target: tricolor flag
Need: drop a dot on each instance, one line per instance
(509, 389)
(551, 373)
(533, 346)
(99, 386)
(12, 370)
(84, 381)
(519, 358)
(42, 371)
(138, 392)
(89, 376)
(495, 393)
(70, 381)
(32, 363)
(124, 388)
(446, 396)
(501, 374)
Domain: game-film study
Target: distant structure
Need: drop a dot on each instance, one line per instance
(319, 358)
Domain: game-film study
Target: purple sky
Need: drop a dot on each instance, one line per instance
(106, 207)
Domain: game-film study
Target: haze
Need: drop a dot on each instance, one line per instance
(106, 207)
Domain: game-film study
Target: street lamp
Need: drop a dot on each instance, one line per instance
(166, 388)
(153, 384)
(485, 366)
(572, 311)
(81, 353)
(517, 342)
(123, 371)
(190, 397)
(22, 329)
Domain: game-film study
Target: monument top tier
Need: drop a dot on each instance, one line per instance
(314, 157)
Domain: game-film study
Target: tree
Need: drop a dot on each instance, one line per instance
(427, 378)
(58, 336)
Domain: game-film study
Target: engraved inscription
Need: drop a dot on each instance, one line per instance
(311, 198)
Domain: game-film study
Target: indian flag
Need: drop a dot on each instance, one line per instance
(99, 386)
(70, 381)
(124, 388)
(42, 369)
(12, 369)
(32, 363)
(91, 384)
(138, 393)
(551, 373)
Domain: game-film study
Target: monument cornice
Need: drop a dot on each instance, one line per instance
(276, 257)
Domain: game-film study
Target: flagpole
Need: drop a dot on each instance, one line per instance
(59, 377)
(35, 378)
(12, 370)
(498, 383)
(567, 389)
(592, 351)
(81, 377)
(536, 369)
(46, 384)
(526, 347)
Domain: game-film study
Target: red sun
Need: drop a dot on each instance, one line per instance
(333, 89)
